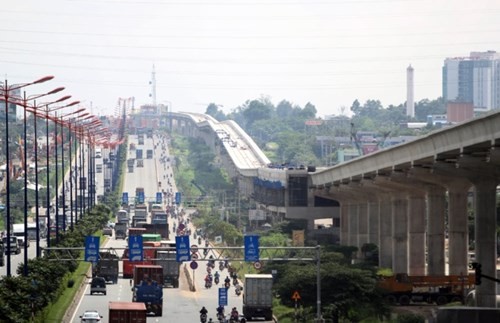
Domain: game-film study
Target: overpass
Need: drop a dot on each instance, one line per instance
(410, 200)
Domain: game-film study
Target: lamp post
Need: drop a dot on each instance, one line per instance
(47, 111)
(35, 114)
(5, 92)
(26, 169)
(62, 162)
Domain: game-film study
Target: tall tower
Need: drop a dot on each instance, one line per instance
(153, 86)
(410, 98)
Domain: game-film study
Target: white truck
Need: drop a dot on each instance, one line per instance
(258, 296)
(18, 232)
(122, 216)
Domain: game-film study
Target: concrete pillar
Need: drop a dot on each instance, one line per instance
(373, 224)
(400, 233)
(435, 231)
(353, 224)
(458, 232)
(344, 224)
(362, 224)
(485, 237)
(416, 234)
(385, 233)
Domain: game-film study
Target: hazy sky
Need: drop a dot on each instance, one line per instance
(327, 52)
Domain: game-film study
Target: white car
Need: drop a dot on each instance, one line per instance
(91, 317)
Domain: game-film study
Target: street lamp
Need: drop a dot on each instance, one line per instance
(26, 168)
(47, 111)
(5, 94)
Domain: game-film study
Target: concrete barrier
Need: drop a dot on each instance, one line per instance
(191, 284)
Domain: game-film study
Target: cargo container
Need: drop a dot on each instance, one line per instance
(127, 312)
(258, 296)
(138, 154)
(148, 255)
(144, 272)
(151, 237)
(149, 153)
(107, 267)
(161, 229)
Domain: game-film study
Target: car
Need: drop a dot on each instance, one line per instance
(98, 285)
(90, 317)
(107, 231)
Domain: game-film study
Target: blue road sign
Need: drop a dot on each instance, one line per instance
(91, 249)
(159, 197)
(222, 296)
(251, 248)
(140, 198)
(182, 248)
(135, 248)
(177, 198)
(125, 198)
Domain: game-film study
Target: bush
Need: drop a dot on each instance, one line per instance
(410, 318)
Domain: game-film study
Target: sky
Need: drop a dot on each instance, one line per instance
(326, 52)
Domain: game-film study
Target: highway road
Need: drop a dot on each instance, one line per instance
(179, 305)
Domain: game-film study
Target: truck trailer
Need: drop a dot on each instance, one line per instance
(258, 296)
(127, 312)
(107, 267)
(171, 268)
(403, 289)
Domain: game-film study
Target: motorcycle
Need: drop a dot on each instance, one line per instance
(220, 317)
(208, 284)
(216, 280)
(235, 281)
(227, 285)
(221, 265)
(203, 318)
(234, 318)
(237, 291)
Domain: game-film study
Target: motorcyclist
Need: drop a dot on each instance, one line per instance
(203, 314)
(220, 311)
(216, 275)
(227, 282)
(234, 314)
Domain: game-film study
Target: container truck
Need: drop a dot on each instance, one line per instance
(120, 230)
(140, 163)
(149, 253)
(122, 216)
(161, 229)
(130, 165)
(149, 154)
(140, 139)
(138, 154)
(150, 293)
(258, 297)
(404, 289)
(159, 217)
(18, 232)
(167, 260)
(127, 312)
(107, 267)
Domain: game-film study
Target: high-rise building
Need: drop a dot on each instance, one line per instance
(410, 88)
(474, 79)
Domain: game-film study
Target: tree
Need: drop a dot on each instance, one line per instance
(257, 110)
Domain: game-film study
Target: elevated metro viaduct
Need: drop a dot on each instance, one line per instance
(407, 199)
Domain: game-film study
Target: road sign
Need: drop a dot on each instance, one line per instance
(125, 198)
(159, 197)
(140, 197)
(135, 248)
(92, 249)
(222, 296)
(257, 265)
(177, 198)
(193, 265)
(194, 248)
(296, 295)
(251, 248)
(182, 246)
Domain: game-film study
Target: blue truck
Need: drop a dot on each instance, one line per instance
(150, 293)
